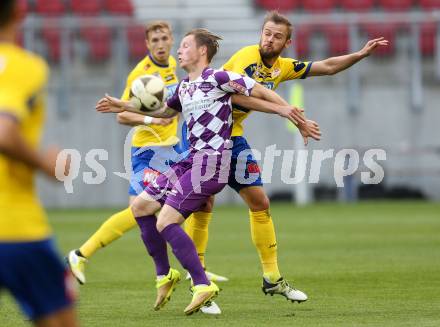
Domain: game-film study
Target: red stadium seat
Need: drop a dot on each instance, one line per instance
(23, 6)
(52, 37)
(357, 5)
(89, 7)
(396, 5)
(136, 42)
(429, 4)
(281, 5)
(319, 5)
(427, 38)
(338, 39)
(301, 36)
(50, 7)
(119, 7)
(388, 31)
(99, 41)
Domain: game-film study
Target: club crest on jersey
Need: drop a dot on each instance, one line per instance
(237, 87)
(191, 89)
(147, 67)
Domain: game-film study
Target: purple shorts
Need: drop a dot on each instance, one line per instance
(188, 184)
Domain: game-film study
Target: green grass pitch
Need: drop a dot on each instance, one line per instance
(370, 264)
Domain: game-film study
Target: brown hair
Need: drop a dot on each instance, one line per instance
(206, 38)
(277, 18)
(157, 25)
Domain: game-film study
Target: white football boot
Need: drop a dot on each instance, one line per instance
(283, 288)
(76, 264)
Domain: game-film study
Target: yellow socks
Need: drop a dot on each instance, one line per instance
(110, 230)
(196, 226)
(263, 236)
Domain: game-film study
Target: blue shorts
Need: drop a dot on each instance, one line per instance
(148, 162)
(245, 171)
(36, 277)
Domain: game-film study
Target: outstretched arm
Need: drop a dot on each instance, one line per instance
(308, 128)
(335, 65)
(115, 105)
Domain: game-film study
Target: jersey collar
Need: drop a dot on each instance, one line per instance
(156, 63)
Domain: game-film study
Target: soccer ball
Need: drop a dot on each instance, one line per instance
(148, 93)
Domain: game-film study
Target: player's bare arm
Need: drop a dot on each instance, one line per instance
(111, 104)
(308, 129)
(259, 91)
(135, 119)
(13, 145)
(335, 65)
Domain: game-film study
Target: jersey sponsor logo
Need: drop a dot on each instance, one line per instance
(150, 176)
(169, 77)
(298, 66)
(253, 168)
(237, 87)
(205, 87)
(276, 72)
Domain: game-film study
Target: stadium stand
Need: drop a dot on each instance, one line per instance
(319, 5)
(118, 7)
(88, 8)
(50, 7)
(99, 42)
(357, 5)
(136, 42)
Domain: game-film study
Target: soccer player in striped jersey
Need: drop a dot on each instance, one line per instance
(204, 98)
(155, 147)
(30, 268)
(263, 63)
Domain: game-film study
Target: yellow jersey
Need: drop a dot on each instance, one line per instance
(23, 78)
(247, 61)
(155, 135)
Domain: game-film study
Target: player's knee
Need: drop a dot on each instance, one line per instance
(208, 206)
(142, 208)
(259, 203)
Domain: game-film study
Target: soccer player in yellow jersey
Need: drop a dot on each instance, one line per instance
(263, 63)
(30, 268)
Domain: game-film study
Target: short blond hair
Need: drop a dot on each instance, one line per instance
(157, 25)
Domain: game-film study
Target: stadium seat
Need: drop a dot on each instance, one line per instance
(52, 38)
(119, 7)
(23, 6)
(319, 5)
(301, 36)
(50, 7)
(136, 42)
(357, 5)
(396, 5)
(388, 31)
(429, 4)
(99, 41)
(428, 32)
(338, 40)
(281, 5)
(89, 7)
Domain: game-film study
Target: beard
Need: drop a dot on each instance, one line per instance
(269, 54)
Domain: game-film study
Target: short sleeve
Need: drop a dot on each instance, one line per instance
(231, 82)
(174, 101)
(13, 103)
(295, 69)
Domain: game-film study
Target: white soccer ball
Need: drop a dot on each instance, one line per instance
(148, 93)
